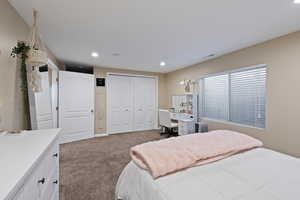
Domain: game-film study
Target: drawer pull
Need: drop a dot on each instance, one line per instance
(55, 155)
(55, 182)
(42, 181)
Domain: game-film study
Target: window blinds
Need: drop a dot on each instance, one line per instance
(237, 96)
(247, 97)
(216, 97)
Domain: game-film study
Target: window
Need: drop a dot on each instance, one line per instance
(237, 96)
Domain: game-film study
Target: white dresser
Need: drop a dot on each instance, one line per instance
(29, 166)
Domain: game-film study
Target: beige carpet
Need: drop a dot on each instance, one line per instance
(89, 169)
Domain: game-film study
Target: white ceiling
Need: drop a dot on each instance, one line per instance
(146, 32)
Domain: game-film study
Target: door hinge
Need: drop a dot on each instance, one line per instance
(56, 79)
(56, 108)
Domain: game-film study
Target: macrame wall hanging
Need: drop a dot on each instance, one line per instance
(37, 56)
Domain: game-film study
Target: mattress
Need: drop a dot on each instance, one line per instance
(258, 174)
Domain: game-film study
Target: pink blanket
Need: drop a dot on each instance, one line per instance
(170, 155)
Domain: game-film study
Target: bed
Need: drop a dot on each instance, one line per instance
(258, 174)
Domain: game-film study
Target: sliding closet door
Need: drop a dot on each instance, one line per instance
(120, 104)
(144, 103)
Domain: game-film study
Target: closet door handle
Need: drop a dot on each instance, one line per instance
(55, 155)
(55, 182)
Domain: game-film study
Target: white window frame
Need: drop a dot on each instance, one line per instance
(229, 72)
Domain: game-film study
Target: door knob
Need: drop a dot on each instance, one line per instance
(92, 111)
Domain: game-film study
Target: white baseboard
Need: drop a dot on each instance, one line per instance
(101, 135)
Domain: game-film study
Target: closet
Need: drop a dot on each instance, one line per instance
(131, 103)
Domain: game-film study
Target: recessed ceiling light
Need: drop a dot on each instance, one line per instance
(162, 63)
(95, 54)
(297, 1)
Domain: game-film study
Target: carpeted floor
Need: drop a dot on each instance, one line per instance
(89, 169)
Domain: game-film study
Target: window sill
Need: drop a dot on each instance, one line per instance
(232, 123)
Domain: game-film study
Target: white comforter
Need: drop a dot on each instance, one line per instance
(259, 174)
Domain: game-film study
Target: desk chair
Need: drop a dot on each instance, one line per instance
(165, 121)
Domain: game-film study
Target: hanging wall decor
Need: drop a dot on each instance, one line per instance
(37, 55)
(33, 55)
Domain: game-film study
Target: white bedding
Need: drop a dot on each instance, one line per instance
(259, 174)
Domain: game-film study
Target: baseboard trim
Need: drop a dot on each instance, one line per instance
(101, 135)
(133, 131)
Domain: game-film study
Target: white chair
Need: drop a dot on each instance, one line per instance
(165, 121)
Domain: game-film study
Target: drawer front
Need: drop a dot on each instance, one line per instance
(55, 195)
(19, 195)
(41, 184)
(52, 186)
(31, 189)
(47, 168)
(52, 159)
(54, 153)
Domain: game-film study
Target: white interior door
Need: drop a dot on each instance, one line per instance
(144, 103)
(43, 109)
(76, 106)
(120, 104)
